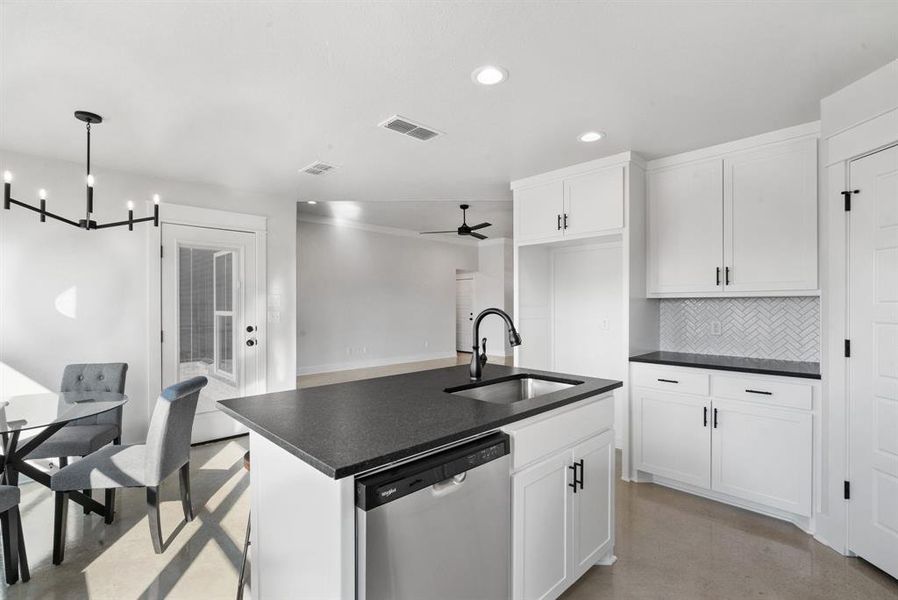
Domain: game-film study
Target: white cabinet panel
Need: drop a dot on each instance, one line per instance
(673, 436)
(593, 504)
(594, 202)
(539, 212)
(541, 514)
(770, 218)
(763, 455)
(685, 228)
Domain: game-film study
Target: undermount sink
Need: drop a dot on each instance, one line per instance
(513, 389)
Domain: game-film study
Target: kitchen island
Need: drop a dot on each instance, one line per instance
(310, 446)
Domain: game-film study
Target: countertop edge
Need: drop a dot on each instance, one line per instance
(360, 467)
(717, 367)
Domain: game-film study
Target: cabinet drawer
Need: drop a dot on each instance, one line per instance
(671, 380)
(544, 434)
(763, 391)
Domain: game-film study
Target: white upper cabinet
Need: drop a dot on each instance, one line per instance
(594, 202)
(556, 206)
(770, 218)
(685, 228)
(539, 211)
(737, 219)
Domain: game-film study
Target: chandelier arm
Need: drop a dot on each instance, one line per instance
(120, 223)
(44, 213)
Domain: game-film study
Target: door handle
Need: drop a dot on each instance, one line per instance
(726, 277)
(559, 222)
(251, 342)
(715, 418)
(705, 419)
(565, 220)
(580, 462)
(718, 275)
(573, 484)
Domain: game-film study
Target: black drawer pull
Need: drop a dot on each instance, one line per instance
(668, 380)
(759, 392)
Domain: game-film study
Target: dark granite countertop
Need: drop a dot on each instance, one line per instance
(346, 428)
(763, 366)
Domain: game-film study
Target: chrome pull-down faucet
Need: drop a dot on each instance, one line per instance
(478, 359)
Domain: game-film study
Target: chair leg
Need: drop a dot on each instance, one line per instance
(243, 564)
(23, 555)
(186, 503)
(89, 494)
(109, 494)
(63, 462)
(61, 513)
(10, 546)
(153, 514)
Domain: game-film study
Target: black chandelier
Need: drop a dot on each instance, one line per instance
(86, 223)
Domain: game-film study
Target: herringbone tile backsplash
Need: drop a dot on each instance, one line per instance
(780, 328)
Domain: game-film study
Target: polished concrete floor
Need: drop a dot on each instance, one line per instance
(670, 545)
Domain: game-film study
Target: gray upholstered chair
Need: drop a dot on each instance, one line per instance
(14, 557)
(83, 436)
(166, 450)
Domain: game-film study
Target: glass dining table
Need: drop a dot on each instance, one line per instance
(27, 420)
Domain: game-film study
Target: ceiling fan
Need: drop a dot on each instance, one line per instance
(464, 229)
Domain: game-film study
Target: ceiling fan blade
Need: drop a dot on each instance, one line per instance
(481, 226)
(450, 231)
(477, 235)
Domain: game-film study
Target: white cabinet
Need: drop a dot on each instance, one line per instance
(672, 436)
(747, 437)
(684, 223)
(737, 219)
(575, 206)
(542, 505)
(562, 496)
(770, 218)
(762, 454)
(539, 209)
(563, 511)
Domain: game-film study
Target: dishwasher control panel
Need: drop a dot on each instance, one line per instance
(380, 488)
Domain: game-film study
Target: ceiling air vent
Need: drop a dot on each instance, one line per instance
(410, 128)
(317, 168)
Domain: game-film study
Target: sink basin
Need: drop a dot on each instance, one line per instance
(513, 389)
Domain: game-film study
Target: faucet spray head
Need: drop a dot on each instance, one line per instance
(514, 338)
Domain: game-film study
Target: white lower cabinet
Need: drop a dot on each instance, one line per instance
(759, 448)
(562, 498)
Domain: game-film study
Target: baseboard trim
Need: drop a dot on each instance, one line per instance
(367, 364)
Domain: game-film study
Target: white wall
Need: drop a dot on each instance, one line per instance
(67, 295)
(366, 297)
(494, 289)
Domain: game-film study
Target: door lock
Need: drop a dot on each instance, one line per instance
(250, 328)
(251, 342)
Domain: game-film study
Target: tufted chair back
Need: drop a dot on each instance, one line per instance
(96, 377)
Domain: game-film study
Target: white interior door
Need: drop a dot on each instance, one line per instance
(873, 366)
(210, 302)
(464, 314)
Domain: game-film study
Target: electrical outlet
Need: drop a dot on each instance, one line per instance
(715, 328)
(604, 324)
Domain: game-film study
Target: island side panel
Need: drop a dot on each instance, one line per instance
(303, 528)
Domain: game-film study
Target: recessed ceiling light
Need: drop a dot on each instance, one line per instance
(591, 136)
(311, 202)
(489, 75)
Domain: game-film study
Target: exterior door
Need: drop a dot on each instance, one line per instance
(464, 314)
(873, 366)
(209, 319)
(685, 228)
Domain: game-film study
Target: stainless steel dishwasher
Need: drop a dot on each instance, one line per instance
(439, 527)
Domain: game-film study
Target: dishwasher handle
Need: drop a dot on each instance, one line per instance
(447, 486)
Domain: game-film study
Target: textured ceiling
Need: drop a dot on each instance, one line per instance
(244, 93)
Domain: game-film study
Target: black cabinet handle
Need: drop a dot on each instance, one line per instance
(565, 220)
(718, 275)
(759, 392)
(559, 222)
(668, 380)
(727, 276)
(575, 481)
(705, 419)
(715, 418)
(580, 462)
